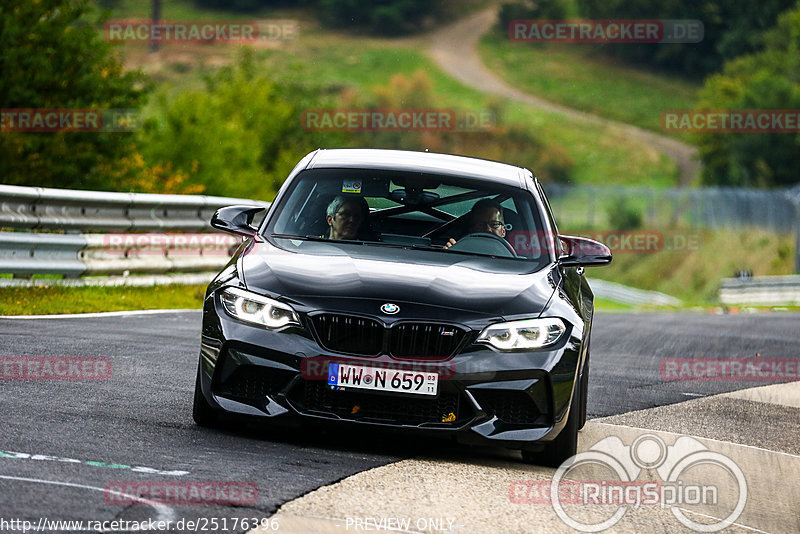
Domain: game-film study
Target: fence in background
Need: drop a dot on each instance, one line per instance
(776, 210)
(724, 208)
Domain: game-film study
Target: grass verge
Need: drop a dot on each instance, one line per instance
(599, 155)
(345, 63)
(576, 76)
(56, 300)
(694, 274)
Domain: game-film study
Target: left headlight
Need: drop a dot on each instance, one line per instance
(257, 309)
(527, 334)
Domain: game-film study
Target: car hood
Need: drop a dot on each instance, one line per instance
(421, 282)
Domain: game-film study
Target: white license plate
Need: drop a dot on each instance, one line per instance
(399, 381)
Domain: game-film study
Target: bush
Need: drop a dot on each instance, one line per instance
(239, 137)
(248, 6)
(766, 80)
(543, 9)
(732, 28)
(622, 215)
(53, 57)
(381, 17)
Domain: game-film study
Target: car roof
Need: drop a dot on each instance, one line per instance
(425, 162)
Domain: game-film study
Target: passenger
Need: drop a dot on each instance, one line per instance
(486, 216)
(345, 216)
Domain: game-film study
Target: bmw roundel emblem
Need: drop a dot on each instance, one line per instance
(390, 308)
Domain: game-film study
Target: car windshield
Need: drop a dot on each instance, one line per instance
(444, 214)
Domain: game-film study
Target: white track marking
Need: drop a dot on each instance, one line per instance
(718, 519)
(165, 513)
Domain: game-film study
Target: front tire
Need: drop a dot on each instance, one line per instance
(202, 412)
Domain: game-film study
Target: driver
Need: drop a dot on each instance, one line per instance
(344, 216)
(486, 216)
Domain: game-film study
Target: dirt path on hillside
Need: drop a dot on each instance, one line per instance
(454, 48)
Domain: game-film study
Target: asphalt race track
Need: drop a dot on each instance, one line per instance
(64, 441)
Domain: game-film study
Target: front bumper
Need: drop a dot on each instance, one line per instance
(485, 397)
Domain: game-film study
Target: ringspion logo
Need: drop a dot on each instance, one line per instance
(691, 478)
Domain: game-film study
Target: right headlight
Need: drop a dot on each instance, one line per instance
(258, 309)
(525, 334)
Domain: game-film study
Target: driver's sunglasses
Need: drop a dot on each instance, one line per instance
(494, 225)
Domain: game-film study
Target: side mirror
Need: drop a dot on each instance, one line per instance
(582, 252)
(236, 220)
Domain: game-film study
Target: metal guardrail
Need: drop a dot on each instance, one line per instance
(629, 295)
(24, 254)
(81, 252)
(767, 290)
(39, 208)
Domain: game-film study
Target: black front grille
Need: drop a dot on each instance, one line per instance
(423, 340)
(367, 337)
(254, 382)
(350, 335)
(513, 407)
(317, 398)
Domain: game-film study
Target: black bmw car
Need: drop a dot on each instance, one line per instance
(409, 290)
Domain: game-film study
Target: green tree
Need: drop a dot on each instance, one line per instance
(249, 6)
(732, 28)
(239, 137)
(51, 56)
(769, 79)
(382, 17)
(542, 9)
